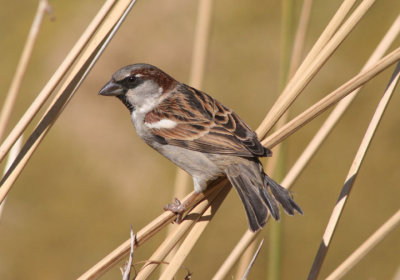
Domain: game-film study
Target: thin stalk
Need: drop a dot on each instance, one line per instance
(36, 105)
(301, 79)
(317, 140)
(200, 44)
(176, 236)
(144, 235)
(321, 106)
(12, 93)
(13, 154)
(351, 177)
(71, 84)
(194, 235)
(275, 229)
(366, 247)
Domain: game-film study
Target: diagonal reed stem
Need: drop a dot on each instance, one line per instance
(71, 84)
(12, 93)
(367, 246)
(177, 235)
(351, 177)
(315, 143)
(305, 73)
(331, 99)
(31, 112)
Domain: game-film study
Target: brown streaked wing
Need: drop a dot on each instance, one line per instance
(204, 125)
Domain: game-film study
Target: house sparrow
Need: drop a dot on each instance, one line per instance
(201, 136)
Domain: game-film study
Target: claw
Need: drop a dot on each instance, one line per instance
(176, 208)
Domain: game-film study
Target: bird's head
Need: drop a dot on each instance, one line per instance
(139, 86)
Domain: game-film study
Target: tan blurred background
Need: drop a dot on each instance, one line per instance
(92, 177)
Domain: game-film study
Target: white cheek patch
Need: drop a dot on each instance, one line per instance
(161, 124)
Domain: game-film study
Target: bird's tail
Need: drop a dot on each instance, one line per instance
(259, 193)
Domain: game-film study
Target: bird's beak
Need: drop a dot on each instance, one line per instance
(112, 89)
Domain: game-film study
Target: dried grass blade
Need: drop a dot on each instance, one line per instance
(338, 111)
(330, 99)
(55, 79)
(304, 75)
(367, 246)
(11, 157)
(12, 93)
(323, 132)
(244, 242)
(200, 45)
(351, 177)
(143, 235)
(72, 83)
(174, 237)
(194, 235)
(246, 273)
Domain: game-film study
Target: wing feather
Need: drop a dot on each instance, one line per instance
(204, 124)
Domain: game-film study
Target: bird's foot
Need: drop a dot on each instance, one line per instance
(176, 207)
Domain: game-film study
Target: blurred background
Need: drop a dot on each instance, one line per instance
(92, 177)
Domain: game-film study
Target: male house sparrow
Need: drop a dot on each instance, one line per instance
(201, 136)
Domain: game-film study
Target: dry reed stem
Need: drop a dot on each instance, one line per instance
(367, 246)
(245, 260)
(200, 43)
(300, 36)
(253, 259)
(55, 79)
(351, 177)
(16, 148)
(330, 99)
(305, 73)
(324, 131)
(75, 77)
(143, 235)
(338, 111)
(244, 243)
(173, 238)
(12, 93)
(126, 270)
(194, 234)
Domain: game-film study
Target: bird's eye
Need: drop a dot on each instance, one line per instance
(131, 78)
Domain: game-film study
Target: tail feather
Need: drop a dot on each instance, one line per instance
(259, 193)
(253, 204)
(283, 196)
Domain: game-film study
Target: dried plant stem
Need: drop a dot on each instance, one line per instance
(55, 79)
(142, 236)
(330, 99)
(69, 87)
(200, 43)
(305, 73)
(194, 235)
(172, 239)
(245, 260)
(13, 154)
(196, 73)
(367, 246)
(351, 177)
(244, 243)
(322, 133)
(12, 93)
(253, 259)
(299, 39)
(338, 111)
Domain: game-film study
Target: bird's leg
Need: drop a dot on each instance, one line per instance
(180, 208)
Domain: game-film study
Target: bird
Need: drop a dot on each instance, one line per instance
(201, 136)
